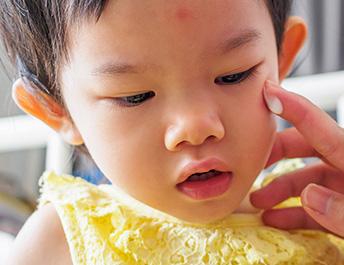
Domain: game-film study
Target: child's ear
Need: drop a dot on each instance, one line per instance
(295, 34)
(40, 105)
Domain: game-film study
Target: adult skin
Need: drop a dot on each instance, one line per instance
(321, 185)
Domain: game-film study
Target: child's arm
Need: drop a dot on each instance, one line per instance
(41, 241)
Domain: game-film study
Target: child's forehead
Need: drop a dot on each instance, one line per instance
(186, 12)
(182, 13)
(178, 9)
(128, 29)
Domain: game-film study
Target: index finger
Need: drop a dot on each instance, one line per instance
(319, 130)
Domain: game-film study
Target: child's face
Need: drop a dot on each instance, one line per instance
(179, 50)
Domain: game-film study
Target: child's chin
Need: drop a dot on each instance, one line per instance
(206, 218)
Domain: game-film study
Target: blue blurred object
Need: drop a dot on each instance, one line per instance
(85, 168)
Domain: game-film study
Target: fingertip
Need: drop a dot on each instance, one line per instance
(253, 199)
(269, 84)
(265, 216)
(317, 198)
(258, 199)
(286, 219)
(305, 192)
(270, 195)
(271, 88)
(272, 101)
(273, 218)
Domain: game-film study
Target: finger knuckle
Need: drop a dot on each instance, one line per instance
(329, 150)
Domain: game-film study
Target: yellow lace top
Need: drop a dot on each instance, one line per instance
(104, 226)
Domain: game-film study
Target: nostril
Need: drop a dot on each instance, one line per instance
(193, 134)
(212, 138)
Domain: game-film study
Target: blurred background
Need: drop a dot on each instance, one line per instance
(27, 147)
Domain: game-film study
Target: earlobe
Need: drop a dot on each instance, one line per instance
(70, 134)
(295, 35)
(40, 105)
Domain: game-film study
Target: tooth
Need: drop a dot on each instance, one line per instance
(194, 177)
(209, 174)
(203, 177)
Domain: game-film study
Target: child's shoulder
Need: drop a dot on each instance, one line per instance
(41, 240)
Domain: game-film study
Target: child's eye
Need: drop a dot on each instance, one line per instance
(134, 100)
(233, 78)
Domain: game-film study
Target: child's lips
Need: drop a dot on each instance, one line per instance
(208, 188)
(203, 166)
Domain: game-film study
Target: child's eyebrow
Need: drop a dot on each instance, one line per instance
(115, 68)
(234, 42)
(239, 40)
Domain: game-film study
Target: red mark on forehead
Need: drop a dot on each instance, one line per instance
(183, 13)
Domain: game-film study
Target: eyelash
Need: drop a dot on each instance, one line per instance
(238, 77)
(135, 100)
(138, 99)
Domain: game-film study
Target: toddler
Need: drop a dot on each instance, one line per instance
(166, 97)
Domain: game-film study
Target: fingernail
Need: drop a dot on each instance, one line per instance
(317, 198)
(274, 104)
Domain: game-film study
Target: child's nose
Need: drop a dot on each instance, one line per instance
(194, 127)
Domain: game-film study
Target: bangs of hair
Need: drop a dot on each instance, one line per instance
(35, 34)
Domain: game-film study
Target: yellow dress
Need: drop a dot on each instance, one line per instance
(104, 226)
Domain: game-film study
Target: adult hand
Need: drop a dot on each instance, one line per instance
(321, 185)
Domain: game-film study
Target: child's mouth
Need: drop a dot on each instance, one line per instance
(204, 175)
(206, 184)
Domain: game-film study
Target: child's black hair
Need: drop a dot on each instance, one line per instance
(34, 34)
